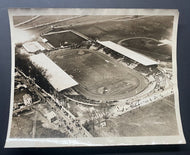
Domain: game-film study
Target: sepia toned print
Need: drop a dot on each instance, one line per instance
(93, 77)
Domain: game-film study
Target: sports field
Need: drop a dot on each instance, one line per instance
(59, 39)
(99, 76)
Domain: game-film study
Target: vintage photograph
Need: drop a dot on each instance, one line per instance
(92, 77)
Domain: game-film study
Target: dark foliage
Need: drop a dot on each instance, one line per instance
(23, 62)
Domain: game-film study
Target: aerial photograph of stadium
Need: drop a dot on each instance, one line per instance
(93, 76)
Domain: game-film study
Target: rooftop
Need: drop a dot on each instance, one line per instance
(142, 59)
(33, 46)
(58, 78)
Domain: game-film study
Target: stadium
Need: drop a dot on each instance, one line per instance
(92, 71)
(104, 72)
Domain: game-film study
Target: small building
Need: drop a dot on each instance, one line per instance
(51, 116)
(44, 40)
(19, 86)
(27, 99)
(103, 124)
(33, 47)
(17, 74)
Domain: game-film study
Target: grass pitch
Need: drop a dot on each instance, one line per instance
(156, 119)
(99, 76)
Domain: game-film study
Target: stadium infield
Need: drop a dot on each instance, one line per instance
(99, 76)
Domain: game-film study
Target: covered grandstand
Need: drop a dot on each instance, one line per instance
(59, 79)
(140, 58)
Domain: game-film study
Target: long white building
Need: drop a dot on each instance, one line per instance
(58, 78)
(142, 59)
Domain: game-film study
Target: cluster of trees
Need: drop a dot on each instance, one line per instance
(90, 126)
(92, 122)
(37, 73)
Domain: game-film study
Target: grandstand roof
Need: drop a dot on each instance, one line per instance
(146, 61)
(33, 46)
(59, 79)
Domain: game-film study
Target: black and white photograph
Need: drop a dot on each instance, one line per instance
(93, 77)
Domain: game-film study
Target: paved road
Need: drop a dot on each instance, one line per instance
(142, 100)
(73, 126)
